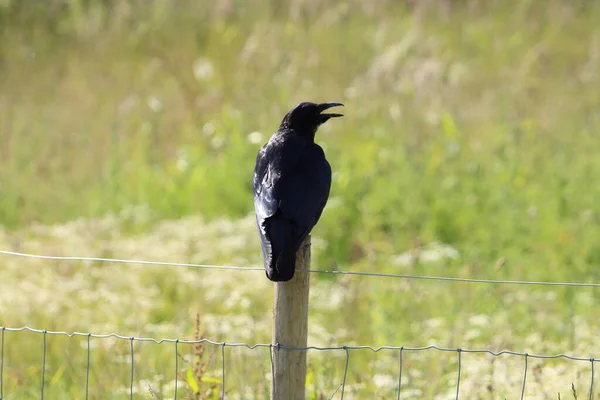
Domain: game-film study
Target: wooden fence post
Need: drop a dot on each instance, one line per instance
(290, 328)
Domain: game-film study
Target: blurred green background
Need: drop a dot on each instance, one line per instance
(469, 148)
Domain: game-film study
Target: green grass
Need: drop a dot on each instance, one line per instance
(469, 123)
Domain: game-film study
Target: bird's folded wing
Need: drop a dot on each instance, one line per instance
(264, 184)
(303, 196)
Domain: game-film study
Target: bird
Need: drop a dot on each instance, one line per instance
(291, 185)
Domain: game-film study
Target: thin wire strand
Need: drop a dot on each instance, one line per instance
(374, 349)
(459, 370)
(223, 371)
(400, 362)
(491, 376)
(124, 261)
(2, 366)
(44, 365)
(592, 381)
(131, 339)
(524, 377)
(345, 371)
(271, 355)
(335, 391)
(87, 370)
(351, 273)
(176, 368)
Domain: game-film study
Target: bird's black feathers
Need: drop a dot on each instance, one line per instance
(291, 186)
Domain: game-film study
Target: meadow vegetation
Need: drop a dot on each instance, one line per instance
(469, 148)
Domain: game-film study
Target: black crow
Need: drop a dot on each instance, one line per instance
(291, 185)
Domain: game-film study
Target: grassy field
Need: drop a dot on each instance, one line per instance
(130, 129)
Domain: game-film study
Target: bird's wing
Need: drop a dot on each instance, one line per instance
(276, 162)
(265, 198)
(304, 196)
(264, 184)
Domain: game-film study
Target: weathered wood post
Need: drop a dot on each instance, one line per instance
(290, 328)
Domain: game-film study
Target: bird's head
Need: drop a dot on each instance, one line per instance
(307, 117)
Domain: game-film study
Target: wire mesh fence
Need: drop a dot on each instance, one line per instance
(461, 372)
(399, 351)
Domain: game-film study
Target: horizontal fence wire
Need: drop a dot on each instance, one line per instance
(374, 349)
(316, 271)
(347, 349)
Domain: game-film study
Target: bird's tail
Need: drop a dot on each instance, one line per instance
(282, 263)
(285, 266)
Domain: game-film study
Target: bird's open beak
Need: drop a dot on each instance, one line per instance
(326, 106)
